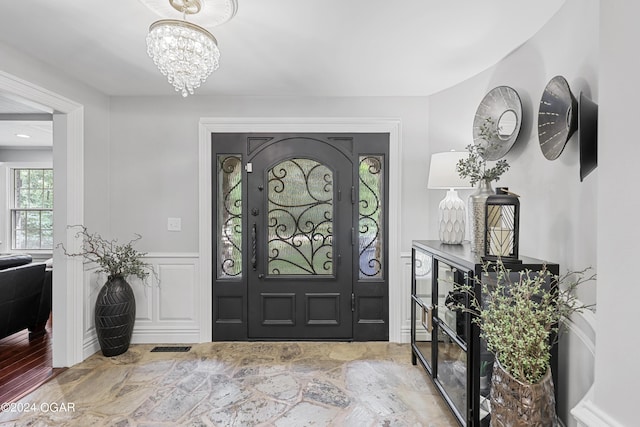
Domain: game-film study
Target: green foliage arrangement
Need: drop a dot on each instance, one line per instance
(518, 317)
(114, 259)
(475, 168)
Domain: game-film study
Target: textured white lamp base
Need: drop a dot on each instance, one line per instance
(452, 212)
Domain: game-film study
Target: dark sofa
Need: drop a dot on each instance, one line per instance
(25, 295)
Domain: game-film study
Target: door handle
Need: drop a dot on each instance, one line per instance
(427, 317)
(254, 255)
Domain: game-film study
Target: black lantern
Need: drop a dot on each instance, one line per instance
(502, 226)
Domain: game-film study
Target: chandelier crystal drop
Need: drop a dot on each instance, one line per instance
(184, 52)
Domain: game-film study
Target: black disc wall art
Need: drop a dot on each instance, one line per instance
(557, 117)
(588, 131)
(496, 124)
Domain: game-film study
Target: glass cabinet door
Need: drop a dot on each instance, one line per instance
(452, 357)
(452, 371)
(450, 298)
(422, 273)
(422, 304)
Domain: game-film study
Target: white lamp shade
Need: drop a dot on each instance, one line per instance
(443, 173)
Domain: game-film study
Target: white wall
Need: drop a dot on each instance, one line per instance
(558, 212)
(154, 157)
(96, 126)
(617, 373)
(558, 219)
(26, 156)
(80, 133)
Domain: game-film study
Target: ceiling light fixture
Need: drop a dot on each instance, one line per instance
(184, 52)
(23, 135)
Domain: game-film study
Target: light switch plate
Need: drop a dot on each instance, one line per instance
(174, 224)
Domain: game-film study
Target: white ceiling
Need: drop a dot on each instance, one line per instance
(284, 47)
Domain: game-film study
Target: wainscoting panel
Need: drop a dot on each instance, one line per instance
(144, 302)
(167, 306)
(577, 362)
(177, 292)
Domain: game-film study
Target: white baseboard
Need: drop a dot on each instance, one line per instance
(90, 346)
(587, 414)
(163, 336)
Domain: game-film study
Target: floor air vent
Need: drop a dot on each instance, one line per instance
(172, 349)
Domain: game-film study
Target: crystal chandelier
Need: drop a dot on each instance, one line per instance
(184, 52)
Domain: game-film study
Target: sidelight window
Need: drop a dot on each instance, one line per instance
(229, 216)
(371, 217)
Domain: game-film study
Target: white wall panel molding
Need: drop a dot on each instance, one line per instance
(177, 296)
(167, 307)
(587, 414)
(173, 255)
(581, 329)
(165, 335)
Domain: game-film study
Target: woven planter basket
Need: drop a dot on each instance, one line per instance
(517, 404)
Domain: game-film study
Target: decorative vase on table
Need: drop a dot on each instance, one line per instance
(115, 315)
(477, 206)
(518, 404)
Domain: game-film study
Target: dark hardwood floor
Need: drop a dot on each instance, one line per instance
(24, 364)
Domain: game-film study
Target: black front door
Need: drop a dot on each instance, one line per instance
(300, 230)
(300, 236)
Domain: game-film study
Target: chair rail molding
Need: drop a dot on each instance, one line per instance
(209, 125)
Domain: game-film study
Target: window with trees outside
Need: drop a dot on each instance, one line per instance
(32, 209)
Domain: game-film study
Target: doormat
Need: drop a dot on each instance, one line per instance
(172, 349)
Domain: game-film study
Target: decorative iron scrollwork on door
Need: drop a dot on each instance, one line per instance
(230, 216)
(371, 184)
(300, 218)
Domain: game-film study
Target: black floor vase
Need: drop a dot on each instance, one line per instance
(115, 315)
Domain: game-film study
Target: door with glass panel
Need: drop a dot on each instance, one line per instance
(301, 237)
(300, 226)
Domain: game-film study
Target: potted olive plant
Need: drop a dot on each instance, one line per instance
(519, 315)
(115, 310)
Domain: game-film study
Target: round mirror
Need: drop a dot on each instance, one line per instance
(507, 124)
(497, 122)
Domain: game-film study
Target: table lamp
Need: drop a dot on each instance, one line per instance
(452, 210)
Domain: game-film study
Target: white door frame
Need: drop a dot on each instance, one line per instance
(68, 187)
(298, 125)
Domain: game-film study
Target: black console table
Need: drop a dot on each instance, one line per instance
(444, 339)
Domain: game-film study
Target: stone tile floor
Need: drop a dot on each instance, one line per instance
(240, 384)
